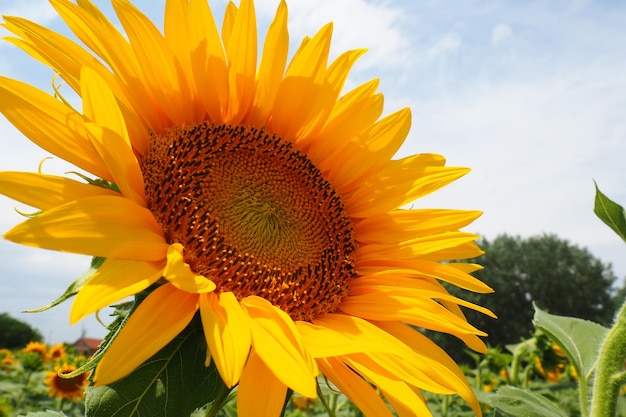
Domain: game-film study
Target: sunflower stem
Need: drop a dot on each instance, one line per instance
(219, 402)
(331, 411)
(610, 369)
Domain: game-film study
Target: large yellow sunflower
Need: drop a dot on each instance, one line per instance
(258, 195)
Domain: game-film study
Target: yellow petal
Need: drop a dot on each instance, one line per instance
(400, 369)
(227, 332)
(354, 111)
(335, 78)
(100, 105)
(388, 376)
(277, 342)
(260, 392)
(462, 251)
(408, 408)
(157, 64)
(176, 34)
(109, 227)
(443, 365)
(50, 124)
(372, 150)
(207, 59)
(228, 23)
(302, 85)
(47, 191)
(398, 306)
(100, 35)
(415, 248)
(444, 272)
(158, 319)
(112, 282)
(400, 225)
(410, 285)
(354, 387)
(400, 183)
(241, 53)
(340, 334)
(55, 50)
(180, 275)
(119, 158)
(271, 68)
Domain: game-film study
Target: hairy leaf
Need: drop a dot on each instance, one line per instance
(580, 339)
(611, 213)
(174, 382)
(518, 402)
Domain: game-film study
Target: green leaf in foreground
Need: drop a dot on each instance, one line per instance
(518, 402)
(611, 213)
(174, 382)
(580, 339)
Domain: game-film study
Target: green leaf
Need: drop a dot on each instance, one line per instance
(518, 402)
(174, 382)
(611, 213)
(74, 287)
(580, 339)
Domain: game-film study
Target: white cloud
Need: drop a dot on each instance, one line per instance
(500, 33)
(534, 148)
(449, 43)
(375, 25)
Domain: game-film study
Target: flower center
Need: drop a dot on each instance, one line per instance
(253, 214)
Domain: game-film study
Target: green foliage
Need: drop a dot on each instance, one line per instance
(15, 333)
(24, 384)
(515, 402)
(579, 339)
(557, 276)
(174, 382)
(611, 213)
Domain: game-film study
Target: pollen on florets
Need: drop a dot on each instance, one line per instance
(254, 215)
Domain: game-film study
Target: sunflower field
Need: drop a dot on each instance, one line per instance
(31, 380)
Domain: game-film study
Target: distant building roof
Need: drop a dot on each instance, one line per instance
(86, 345)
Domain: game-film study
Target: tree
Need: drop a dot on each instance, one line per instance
(559, 277)
(15, 333)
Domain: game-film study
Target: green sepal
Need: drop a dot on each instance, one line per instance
(173, 382)
(121, 314)
(74, 287)
(579, 339)
(611, 213)
(97, 182)
(518, 402)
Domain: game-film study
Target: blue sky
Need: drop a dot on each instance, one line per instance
(529, 94)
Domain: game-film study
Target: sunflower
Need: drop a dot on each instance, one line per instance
(260, 195)
(39, 348)
(62, 387)
(6, 354)
(7, 363)
(57, 352)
